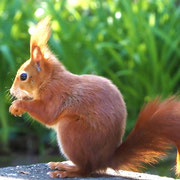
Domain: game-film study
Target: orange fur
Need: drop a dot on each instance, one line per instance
(40, 35)
(89, 115)
(157, 127)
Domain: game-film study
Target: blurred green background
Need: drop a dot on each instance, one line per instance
(135, 43)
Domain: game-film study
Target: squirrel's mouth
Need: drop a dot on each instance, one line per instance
(21, 95)
(25, 98)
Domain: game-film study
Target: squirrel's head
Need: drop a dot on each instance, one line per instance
(35, 71)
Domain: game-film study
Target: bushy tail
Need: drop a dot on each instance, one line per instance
(157, 128)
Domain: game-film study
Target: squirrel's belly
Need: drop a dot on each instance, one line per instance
(55, 127)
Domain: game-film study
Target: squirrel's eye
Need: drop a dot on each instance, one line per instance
(23, 76)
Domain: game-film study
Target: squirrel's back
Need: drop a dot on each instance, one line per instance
(99, 95)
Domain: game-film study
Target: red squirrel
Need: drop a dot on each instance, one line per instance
(88, 114)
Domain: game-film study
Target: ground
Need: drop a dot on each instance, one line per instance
(39, 172)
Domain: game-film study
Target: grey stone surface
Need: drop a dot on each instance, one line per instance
(32, 172)
(39, 172)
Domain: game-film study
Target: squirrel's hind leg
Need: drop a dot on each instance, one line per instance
(64, 166)
(65, 170)
(67, 174)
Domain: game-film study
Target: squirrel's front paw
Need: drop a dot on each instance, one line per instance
(16, 108)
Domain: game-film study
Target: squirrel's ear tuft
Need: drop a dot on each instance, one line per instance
(40, 35)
